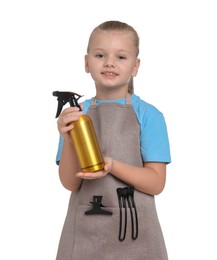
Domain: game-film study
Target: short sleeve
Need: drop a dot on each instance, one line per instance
(59, 150)
(154, 139)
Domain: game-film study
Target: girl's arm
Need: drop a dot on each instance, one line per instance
(149, 179)
(68, 167)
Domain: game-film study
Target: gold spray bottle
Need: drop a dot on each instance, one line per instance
(82, 134)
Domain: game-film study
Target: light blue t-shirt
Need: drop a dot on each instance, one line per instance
(154, 142)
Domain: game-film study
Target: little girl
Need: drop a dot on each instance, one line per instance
(112, 213)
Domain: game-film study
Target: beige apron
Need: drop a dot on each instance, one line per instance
(96, 237)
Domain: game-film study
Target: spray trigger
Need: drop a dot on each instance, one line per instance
(64, 97)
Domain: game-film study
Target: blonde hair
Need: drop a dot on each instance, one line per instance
(119, 26)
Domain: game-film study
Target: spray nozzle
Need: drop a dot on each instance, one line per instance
(64, 97)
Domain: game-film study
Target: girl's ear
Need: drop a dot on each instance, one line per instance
(136, 67)
(86, 63)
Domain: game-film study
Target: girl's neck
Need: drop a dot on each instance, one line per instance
(111, 94)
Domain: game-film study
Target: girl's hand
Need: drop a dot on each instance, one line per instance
(98, 174)
(68, 116)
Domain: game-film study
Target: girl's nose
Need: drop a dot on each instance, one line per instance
(109, 62)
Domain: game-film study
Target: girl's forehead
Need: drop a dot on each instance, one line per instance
(110, 36)
(111, 33)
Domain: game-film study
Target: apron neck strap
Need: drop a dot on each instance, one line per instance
(128, 100)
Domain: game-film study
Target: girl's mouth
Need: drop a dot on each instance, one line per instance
(109, 74)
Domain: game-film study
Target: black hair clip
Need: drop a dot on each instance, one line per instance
(126, 196)
(122, 195)
(96, 209)
(132, 206)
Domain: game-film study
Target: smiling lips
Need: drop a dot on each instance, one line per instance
(109, 74)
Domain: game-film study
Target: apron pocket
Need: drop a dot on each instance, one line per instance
(92, 233)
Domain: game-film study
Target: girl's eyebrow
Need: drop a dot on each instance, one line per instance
(101, 49)
(98, 49)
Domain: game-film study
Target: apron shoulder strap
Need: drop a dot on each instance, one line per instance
(128, 100)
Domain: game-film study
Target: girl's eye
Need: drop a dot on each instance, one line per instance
(99, 55)
(121, 57)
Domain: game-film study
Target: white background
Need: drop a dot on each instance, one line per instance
(42, 47)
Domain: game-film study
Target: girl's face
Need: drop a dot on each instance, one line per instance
(111, 59)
